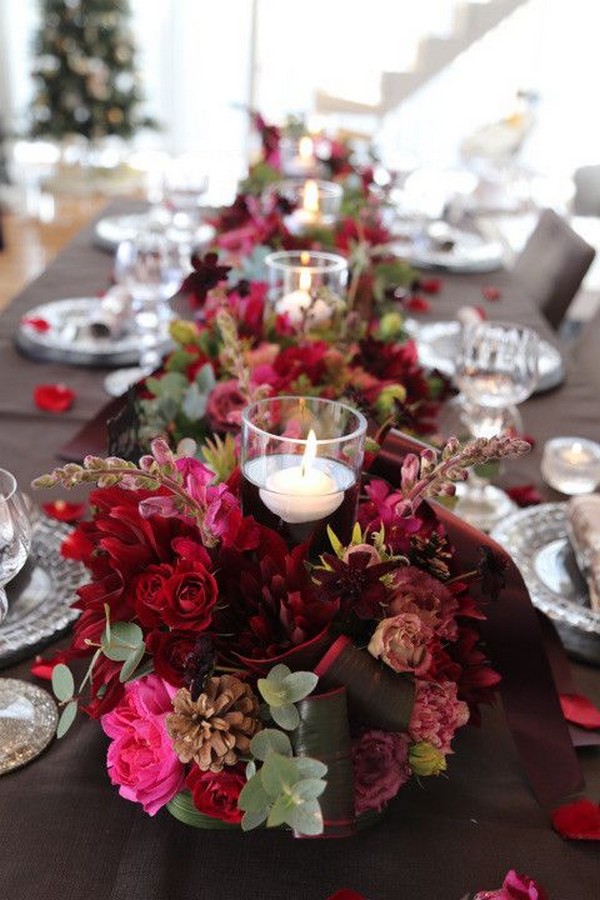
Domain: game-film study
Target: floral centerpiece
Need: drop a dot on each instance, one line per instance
(241, 681)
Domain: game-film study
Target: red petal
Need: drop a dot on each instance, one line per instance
(578, 710)
(43, 668)
(491, 293)
(579, 820)
(430, 285)
(525, 495)
(417, 304)
(54, 398)
(64, 511)
(347, 894)
(36, 322)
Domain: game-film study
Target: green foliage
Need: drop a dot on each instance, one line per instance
(260, 177)
(220, 455)
(63, 684)
(281, 689)
(67, 717)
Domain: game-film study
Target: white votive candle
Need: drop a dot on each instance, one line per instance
(571, 465)
(297, 302)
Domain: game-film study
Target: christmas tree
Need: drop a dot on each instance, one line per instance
(85, 71)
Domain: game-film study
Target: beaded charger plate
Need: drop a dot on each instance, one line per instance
(28, 718)
(536, 538)
(39, 597)
(438, 343)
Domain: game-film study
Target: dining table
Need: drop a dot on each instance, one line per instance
(65, 832)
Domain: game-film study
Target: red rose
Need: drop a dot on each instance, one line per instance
(188, 597)
(147, 594)
(225, 405)
(54, 398)
(170, 653)
(216, 793)
(64, 511)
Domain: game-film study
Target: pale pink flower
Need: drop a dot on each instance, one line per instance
(402, 643)
(437, 714)
(380, 762)
(415, 590)
(141, 759)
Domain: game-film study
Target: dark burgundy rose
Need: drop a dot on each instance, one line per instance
(188, 597)
(147, 594)
(216, 793)
(206, 275)
(171, 651)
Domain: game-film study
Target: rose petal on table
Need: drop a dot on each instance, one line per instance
(43, 667)
(346, 894)
(36, 322)
(524, 495)
(490, 292)
(579, 820)
(64, 511)
(578, 710)
(430, 285)
(54, 398)
(417, 304)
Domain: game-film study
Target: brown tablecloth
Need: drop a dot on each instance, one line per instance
(66, 834)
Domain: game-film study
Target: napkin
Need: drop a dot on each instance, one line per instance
(583, 528)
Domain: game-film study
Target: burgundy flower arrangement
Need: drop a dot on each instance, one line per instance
(242, 682)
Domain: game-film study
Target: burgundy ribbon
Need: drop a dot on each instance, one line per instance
(515, 642)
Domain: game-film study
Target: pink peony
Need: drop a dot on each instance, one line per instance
(515, 887)
(224, 406)
(402, 643)
(437, 714)
(140, 758)
(380, 761)
(414, 590)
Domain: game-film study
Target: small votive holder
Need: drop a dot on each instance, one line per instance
(298, 157)
(571, 465)
(306, 285)
(301, 466)
(316, 204)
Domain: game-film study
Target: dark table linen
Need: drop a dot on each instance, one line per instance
(66, 834)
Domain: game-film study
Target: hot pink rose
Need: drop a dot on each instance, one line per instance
(402, 643)
(380, 762)
(416, 590)
(437, 714)
(141, 759)
(515, 887)
(224, 406)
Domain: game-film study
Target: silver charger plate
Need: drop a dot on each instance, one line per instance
(111, 230)
(69, 340)
(40, 596)
(28, 719)
(438, 343)
(469, 252)
(536, 538)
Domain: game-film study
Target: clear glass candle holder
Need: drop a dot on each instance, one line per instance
(298, 157)
(571, 465)
(308, 286)
(316, 203)
(301, 467)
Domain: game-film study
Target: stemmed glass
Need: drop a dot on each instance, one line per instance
(496, 369)
(15, 534)
(150, 268)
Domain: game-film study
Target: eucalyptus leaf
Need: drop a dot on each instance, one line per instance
(309, 788)
(131, 663)
(310, 768)
(205, 378)
(270, 740)
(278, 673)
(125, 637)
(250, 770)
(253, 796)
(273, 692)
(278, 775)
(253, 819)
(194, 403)
(67, 717)
(299, 685)
(280, 811)
(306, 818)
(286, 716)
(63, 684)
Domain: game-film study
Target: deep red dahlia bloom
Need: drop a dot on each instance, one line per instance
(207, 274)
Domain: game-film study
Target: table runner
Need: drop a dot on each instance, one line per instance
(64, 826)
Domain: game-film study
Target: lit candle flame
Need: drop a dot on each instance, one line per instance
(304, 258)
(310, 201)
(305, 148)
(310, 453)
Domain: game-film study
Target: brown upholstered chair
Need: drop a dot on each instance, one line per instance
(585, 350)
(586, 201)
(552, 266)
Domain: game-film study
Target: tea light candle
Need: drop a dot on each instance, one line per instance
(571, 465)
(297, 302)
(303, 493)
(304, 163)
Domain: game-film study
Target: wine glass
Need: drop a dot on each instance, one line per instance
(150, 268)
(15, 534)
(496, 369)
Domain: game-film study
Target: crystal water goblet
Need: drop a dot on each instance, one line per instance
(15, 534)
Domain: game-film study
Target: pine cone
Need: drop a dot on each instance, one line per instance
(215, 729)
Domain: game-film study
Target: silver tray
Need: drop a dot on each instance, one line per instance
(438, 343)
(536, 538)
(111, 230)
(69, 340)
(40, 597)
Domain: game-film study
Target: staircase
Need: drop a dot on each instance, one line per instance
(472, 20)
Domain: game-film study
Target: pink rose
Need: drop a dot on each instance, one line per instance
(380, 762)
(515, 887)
(140, 758)
(437, 714)
(416, 590)
(224, 406)
(402, 643)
